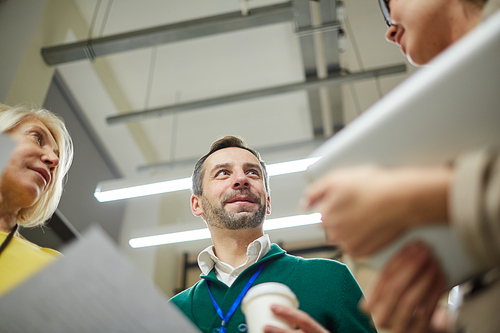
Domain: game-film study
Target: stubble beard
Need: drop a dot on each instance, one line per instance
(219, 217)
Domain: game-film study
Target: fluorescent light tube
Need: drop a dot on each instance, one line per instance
(143, 190)
(175, 237)
(116, 190)
(290, 167)
(198, 234)
(292, 221)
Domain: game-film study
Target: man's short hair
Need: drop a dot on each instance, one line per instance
(480, 3)
(225, 142)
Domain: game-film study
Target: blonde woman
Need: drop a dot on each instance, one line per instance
(30, 187)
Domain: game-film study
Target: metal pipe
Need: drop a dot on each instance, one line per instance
(314, 30)
(208, 26)
(313, 83)
(321, 70)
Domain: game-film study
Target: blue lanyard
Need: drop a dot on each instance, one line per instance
(236, 303)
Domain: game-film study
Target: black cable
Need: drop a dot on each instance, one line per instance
(94, 17)
(354, 94)
(8, 239)
(105, 19)
(152, 67)
(175, 120)
(354, 44)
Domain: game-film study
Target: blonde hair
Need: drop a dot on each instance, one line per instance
(43, 209)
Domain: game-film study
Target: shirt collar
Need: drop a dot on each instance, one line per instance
(255, 251)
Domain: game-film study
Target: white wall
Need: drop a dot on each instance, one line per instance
(18, 21)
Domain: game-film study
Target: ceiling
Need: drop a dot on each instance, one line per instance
(219, 71)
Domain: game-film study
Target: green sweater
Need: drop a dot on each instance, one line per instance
(326, 290)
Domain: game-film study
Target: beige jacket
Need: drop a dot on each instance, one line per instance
(475, 212)
(475, 205)
(475, 196)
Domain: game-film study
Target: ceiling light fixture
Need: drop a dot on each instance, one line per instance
(198, 234)
(126, 189)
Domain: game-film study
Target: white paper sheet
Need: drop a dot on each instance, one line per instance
(7, 145)
(93, 288)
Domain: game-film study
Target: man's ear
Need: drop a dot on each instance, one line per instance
(196, 207)
(268, 204)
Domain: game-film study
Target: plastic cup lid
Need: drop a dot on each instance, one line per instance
(271, 288)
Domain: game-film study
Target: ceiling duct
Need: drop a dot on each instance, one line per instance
(312, 83)
(170, 33)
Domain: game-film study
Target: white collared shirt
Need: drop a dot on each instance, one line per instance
(225, 272)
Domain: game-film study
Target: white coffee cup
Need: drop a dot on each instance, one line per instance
(256, 305)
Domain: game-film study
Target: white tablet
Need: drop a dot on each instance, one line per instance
(446, 108)
(450, 106)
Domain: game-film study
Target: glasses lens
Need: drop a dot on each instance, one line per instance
(385, 11)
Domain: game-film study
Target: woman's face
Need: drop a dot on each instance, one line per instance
(30, 170)
(424, 28)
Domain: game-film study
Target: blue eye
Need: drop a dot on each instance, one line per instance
(254, 172)
(222, 173)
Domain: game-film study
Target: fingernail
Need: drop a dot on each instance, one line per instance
(268, 329)
(276, 307)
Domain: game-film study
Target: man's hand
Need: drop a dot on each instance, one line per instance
(406, 293)
(297, 318)
(365, 208)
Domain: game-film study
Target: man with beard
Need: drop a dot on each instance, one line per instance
(231, 193)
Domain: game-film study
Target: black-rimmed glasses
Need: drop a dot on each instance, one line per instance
(385, 11)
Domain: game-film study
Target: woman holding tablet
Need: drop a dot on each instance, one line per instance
(365, 208)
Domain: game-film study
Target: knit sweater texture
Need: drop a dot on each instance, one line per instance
(326, 290)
